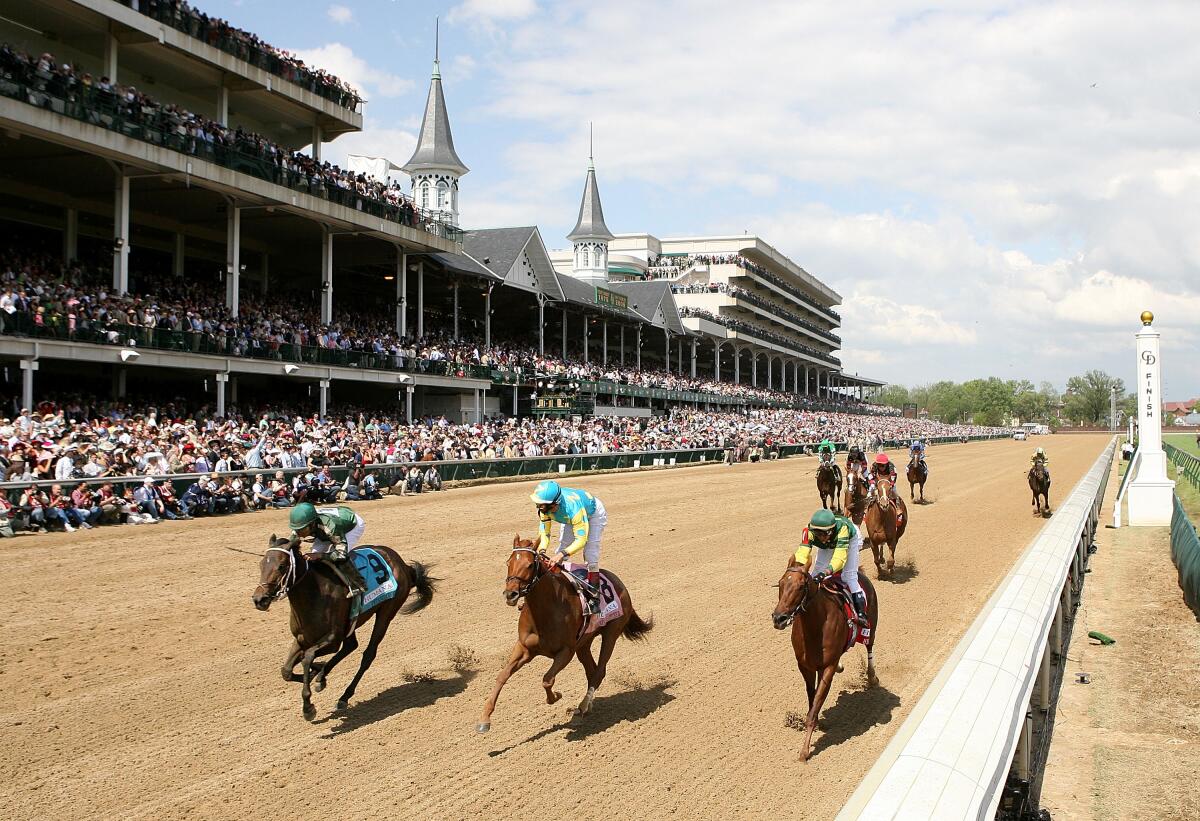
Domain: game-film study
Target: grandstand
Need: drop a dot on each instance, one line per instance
(169, 225)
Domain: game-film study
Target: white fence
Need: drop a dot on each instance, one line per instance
(974, 726)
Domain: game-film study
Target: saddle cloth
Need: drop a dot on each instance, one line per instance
(608, 601)
(854, 633)
(381, 581)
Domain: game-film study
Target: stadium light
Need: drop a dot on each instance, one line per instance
(128, 354)
(290, 369)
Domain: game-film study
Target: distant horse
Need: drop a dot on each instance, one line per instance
(320, 615)
(918, 472)
(829, 484)
(550, 625)
(1039, 483)
(856, 496)
(820, 635)
(885, 523)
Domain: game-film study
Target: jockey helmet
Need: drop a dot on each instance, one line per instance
(881, 459)
(546, 493)
(822, 520)
(302, 516)
(1040, 452)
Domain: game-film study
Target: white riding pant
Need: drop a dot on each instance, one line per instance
(321, 547)
(850, 571)
(591, 550)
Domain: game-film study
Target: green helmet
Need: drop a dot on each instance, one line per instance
(822, 520)
(302, 516)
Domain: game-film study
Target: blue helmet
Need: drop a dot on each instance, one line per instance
(546, 493)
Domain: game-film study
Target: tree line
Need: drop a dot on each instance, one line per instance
(995, 401)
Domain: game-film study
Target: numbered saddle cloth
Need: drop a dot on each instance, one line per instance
(608, 602)
(854, 633)
(377, 573)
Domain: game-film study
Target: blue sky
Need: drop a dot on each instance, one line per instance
(994, 188)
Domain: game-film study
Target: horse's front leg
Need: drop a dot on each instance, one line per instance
(288, 670)
(310, 712)
(814, 709)
(561, 660)
(519, 658)
(584, 653)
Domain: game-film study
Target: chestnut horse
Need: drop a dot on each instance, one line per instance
(550, 624)
(856, 496)
(829, 484)
(320, 615)
(1039, 483)
(881, 527)
(918, 472)
(819, 635)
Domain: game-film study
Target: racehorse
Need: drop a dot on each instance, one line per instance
(320, 614)
(1039, 483)
(551, 624)
(820, 634)
(856, 496)
(829, 484)
(918, 472)
(881, 525)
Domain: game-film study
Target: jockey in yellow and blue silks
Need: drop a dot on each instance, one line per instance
(583, 519)
(837, 542)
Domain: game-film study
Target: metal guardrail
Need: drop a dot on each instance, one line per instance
(1130, 472)
(1186, 465)
(1185, 552)
(969, 743)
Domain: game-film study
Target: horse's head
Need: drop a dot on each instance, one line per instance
(793, 594)
(883, 493)
(276, 572)
(524, 569)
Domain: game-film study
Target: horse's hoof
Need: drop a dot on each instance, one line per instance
(318, 685)
(310, 713)
(342, 704)
(840, 668)
(872, 679)
(483, 726)
(552, 697)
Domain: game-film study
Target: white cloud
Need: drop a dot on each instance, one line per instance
(340, 14)
(341, 61)
(375, 140)
(491, 10)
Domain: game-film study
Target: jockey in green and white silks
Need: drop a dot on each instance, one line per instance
(335, 531)
(825, 450)
(837, 542)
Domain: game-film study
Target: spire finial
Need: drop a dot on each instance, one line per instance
(591, 161)
(437, 50)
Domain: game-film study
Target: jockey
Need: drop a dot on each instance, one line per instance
(583, 518)
(837, 542)
(335, 532)
(856, 461)
(1040, 454)
(917, 451)
(825, 450)
(883, 468)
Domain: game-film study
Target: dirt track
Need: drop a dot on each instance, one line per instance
(147, 686)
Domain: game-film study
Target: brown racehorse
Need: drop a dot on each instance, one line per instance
(320, 615)
(819, 635)
(829, 484)
(918, 472)
(881, 526)
(856, 496)
(550, 623)
(1039, 483)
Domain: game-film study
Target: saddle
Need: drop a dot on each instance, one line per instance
(854, 634)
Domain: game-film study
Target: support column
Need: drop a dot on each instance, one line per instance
(717, 362)
(604, 355)
(119, 383)
(622, 346)
(694, 341)
(178, 256)
(754, 370)
(318, 136)
(770, 365)
(679, 358)
(111, 47)
(487, 316)
(233, 385)
(421, 299)
(408, 403)
(586, 322)
(326, 276)
(639, 348)
(564, 333)
(223, 104)
(71, 235)
(401, 291)
(323, 407)
(233, 258)
(222, 378)
(456, 309)
(667, 352)
(28, 366)
(737, 366)
(514, 407)
(541, 301)
(121, 234)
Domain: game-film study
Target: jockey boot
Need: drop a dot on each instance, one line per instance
(354, 579)
(593, 593)
(860, 608)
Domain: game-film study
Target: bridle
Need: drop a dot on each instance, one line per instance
(290, 577)
(538, 561)
(802, 606)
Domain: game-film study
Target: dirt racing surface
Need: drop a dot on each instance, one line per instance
(140, 682)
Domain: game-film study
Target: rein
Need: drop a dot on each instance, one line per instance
(291, 577)
(802, 606)
(538, 561)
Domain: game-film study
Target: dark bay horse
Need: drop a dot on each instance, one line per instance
(550, 623)
(881, 527)
(829, 484)
(918, 472)
(856, 496)
(320, 614)
(1039, 483)
(819, 635)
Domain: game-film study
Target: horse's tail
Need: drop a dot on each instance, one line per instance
(635, 628)
(424, 584)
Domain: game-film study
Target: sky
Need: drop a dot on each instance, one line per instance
(995, 189)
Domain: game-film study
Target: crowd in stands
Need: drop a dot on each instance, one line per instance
(43, 81)
(182, 16)
(749, 296)
(64, 454)
(757, 332)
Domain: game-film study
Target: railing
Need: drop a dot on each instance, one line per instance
(1130, 472)
(970, 741)
(167, 129)
(1186, 465)
(223, 37)
(737, 326)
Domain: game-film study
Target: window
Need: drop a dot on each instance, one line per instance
(443, 195)
(425, 194)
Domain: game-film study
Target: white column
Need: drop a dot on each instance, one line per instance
(679, 358)
(487, 317)
(121, 234)
(770, 364)
(622, 346)
(717, 362)
(421, 298)
(233, 258)
(233, 389)
(111, 47)
(71, 235)
(754, 369)
(177, 255)
(408, 403)
(401, 292)
(222, 378)
(1151, 492)
(564, 332)
(639, 348)
(514, 405)
(326, 276)
(737, 366)
(541, 301)
(323, 407)
(456, 310)
(28, 366)
(223, 104)
(318, 137)
(586, 323)
(694, 340)
(604, 355)
(667, 350)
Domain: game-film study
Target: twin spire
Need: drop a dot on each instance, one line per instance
(435, 147)
(590, 225)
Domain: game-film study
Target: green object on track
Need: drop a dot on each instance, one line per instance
(1100, 637)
